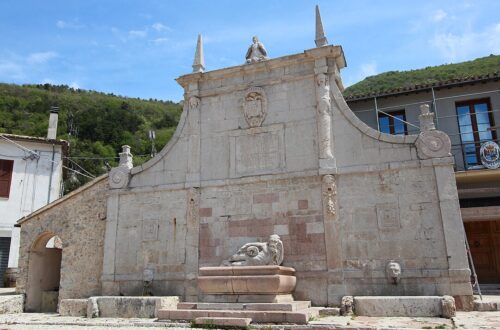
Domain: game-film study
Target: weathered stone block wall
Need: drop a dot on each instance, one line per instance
(79, 221)
(233, 215)
(391, 215)
(155, 230)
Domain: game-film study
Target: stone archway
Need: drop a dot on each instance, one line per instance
(44, 273)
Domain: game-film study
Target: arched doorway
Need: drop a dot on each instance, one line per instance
(44, 274)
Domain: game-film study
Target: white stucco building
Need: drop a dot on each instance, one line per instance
(30, 177)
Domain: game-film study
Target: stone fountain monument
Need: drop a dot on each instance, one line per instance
(252, 274)
(251, 285)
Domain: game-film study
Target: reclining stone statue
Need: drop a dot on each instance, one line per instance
(258, 254)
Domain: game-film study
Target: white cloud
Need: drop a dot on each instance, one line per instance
(458, 47)
(74, 85)
(160, 27)
(38, 58)
(137, 33)
(68, 24)
(439, 15)
(159, 41)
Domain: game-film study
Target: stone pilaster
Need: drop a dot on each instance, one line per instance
(192, 104)
(192, 243)
(333, 245)
(109, 286)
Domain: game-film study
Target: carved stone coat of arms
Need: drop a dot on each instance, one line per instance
(255, 106)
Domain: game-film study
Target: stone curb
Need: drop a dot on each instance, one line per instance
(107, 324)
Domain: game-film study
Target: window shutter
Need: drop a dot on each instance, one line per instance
(6, 167)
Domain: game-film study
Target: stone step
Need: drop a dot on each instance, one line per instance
(290, 307)
(488, 304)
(223, 321)
(299, 317)
(329, 311)
(407, 306)
(11, 304)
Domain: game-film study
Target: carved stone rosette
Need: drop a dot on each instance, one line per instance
(433, 144)
(323, 105)
(329, 196)
(255, 106)
(119, 177)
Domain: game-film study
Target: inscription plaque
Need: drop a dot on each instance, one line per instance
(257, 151)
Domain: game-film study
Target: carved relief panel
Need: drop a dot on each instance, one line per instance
(329, 196)
(255, 106)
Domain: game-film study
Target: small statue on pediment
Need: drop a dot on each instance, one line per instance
(256, 52)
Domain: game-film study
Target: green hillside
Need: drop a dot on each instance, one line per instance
(95, 124)
(397, 79)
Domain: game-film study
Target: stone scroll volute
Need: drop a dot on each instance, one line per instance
(431, 143)
(119, 177)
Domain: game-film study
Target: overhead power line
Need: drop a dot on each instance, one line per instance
(31, 152)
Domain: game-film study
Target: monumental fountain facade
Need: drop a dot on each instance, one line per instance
(271, 148)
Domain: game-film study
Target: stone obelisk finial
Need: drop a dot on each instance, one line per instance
(199, 58)
(320, 33)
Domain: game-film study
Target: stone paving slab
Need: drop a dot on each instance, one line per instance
(463, 320)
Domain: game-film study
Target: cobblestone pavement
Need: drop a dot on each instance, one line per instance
(463, 320)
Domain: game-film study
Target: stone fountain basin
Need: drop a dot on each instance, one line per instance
(252, 280)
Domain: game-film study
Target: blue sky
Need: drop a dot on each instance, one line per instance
(137, 48)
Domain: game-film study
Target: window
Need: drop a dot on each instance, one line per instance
(5, 176)
(393, 124)
(475, 121)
